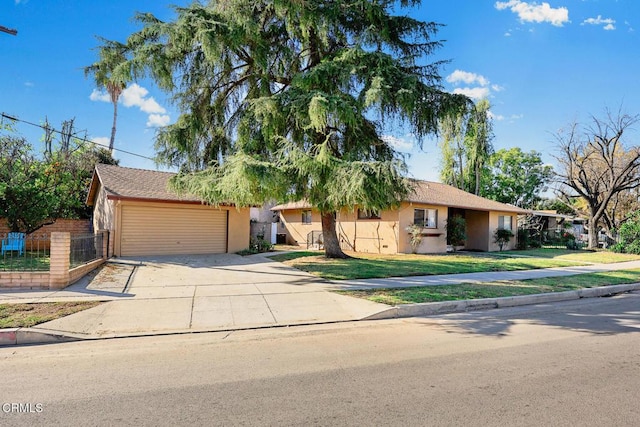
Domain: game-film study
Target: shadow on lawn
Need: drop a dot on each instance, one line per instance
(598, 316)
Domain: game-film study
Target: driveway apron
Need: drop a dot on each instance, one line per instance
(213, 292)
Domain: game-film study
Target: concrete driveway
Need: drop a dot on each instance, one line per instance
(208, 293)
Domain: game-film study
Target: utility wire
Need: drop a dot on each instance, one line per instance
(6, 116)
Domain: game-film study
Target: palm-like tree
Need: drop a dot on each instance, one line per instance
(108, 76)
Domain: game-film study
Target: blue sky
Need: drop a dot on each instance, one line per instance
(542, 65)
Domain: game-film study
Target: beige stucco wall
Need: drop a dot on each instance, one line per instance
(434, 240)
(386, 235)
(291, 224)
(378, 236)
(103, 211)
(477, 230)
(238, 229)
(493, 225)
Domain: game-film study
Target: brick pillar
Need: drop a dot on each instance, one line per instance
(60, 260)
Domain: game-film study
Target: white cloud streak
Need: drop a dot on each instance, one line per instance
(459, 76)
(397, 143)
(137, 96)
(158, 120)
(608, 24)
(534, 12)
(473, 92)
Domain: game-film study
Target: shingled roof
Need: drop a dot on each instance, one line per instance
(130, 183)
(434, 193)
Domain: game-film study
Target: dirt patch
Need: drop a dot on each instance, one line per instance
(27, 315)
(110, 277)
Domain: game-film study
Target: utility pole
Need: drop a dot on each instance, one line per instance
(8, 30)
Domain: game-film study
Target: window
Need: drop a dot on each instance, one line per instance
(504, 222)
(427, 218)
(362, 214)
(306, 217)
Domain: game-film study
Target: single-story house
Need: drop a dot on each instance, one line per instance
(145, 218)
(430, 204)
(550, 225)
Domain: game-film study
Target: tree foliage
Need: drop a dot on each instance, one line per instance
(516, 177)
(37, 190)
(466, 146)
(629, 235)
(287, 99)
(596, 163)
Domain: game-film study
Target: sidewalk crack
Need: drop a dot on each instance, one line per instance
(193, 302)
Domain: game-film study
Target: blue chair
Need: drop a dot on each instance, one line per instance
(13, 242)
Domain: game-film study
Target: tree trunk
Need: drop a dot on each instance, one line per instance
(113, 128)
(330, 237)
(593, 232)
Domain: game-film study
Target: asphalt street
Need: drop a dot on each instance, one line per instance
(574, 363)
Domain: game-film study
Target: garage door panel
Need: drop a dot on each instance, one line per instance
(172, 230)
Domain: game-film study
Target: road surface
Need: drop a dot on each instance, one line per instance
(572, 363)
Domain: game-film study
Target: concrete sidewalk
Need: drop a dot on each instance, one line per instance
(491, 276)
(227, 292)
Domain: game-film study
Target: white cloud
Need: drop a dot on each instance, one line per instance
(29, 84)
(473, 92)
(466, 77)
(496, 117)
(137, 96)
(101, 140)
(534, 12)
(158, 120)
(608, 24)
(397, 143)
(97, 95)
(497, 88)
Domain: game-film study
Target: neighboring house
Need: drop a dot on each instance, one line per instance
(551, 225)
(429, 204)
(145, 218)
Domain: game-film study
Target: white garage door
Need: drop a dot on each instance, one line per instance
(172, 230)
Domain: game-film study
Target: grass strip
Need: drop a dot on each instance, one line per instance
(505, 288)
(369, 266)
(27, 315)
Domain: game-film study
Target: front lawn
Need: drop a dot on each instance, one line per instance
(27, 315)
(596, 256)
(505, 288)
(368, 266)
(29, 261)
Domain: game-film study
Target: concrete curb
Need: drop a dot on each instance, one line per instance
(434, 308)
(26, 336)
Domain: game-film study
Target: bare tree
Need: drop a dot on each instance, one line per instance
(597, 163)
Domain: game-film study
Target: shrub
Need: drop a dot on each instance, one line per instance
(502, 236)
(629, 235)
(415, 231)
(524, 239)
(456, 231)
(257, 246)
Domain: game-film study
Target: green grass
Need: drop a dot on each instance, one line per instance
(27, 315)
(495, 289)
(597, 256)
(29, 261)
(368, 266)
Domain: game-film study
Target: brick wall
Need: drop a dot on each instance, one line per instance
(59, 275)
(73, 226)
